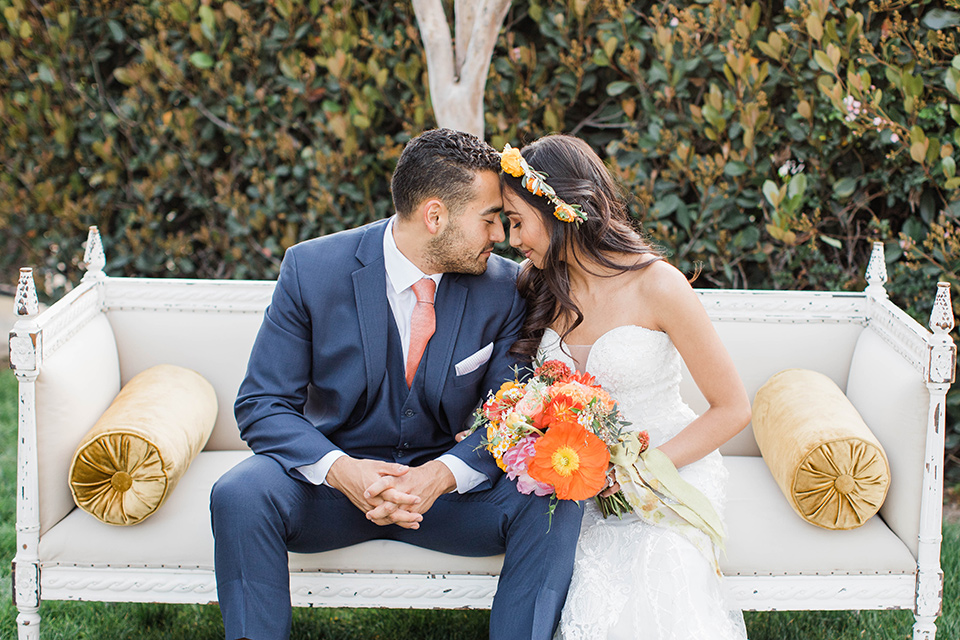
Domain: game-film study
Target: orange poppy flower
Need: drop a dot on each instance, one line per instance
(572, 460)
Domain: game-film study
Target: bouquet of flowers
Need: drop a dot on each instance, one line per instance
(554, 432)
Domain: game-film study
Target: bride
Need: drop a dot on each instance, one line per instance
(603, 301)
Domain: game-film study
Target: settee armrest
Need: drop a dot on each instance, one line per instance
(67, 365)
(893, 384)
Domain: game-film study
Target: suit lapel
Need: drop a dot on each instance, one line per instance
(450, 303)
(369, 288)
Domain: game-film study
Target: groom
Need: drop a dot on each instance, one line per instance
(377, 345)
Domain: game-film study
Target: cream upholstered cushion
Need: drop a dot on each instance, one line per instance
(178, 536)
(764, 537)
(831, 468)
(133, 457)
(77, 383)
(893, 399)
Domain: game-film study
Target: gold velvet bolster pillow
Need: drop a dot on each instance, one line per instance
(829, 465)
(133, 457)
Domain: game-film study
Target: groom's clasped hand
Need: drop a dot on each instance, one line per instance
(390, 493)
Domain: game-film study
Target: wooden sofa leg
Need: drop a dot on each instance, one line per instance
(28, 623)
(925, 628)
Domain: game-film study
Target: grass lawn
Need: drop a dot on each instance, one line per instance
(94, 620)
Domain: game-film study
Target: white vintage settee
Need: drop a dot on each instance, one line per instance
(72, 359)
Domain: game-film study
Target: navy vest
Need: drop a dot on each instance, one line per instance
(405, 430)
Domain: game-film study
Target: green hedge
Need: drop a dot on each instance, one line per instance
(768, 144)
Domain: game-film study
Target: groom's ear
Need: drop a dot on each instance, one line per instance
(435, 215)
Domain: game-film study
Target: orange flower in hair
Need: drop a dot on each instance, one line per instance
(565, 213)
(511, 161)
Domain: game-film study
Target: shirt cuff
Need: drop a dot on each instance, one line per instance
(317, 472)
(466, 476)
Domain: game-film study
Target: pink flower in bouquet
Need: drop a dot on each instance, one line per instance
(531, 405)
(516, 460)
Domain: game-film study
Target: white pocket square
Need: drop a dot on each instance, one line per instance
(472, 363)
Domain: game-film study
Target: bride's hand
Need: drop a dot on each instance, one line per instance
(463, 434)
(612, 486)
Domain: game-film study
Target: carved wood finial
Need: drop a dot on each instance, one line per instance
(877, 272)
(25, 303)
(93, 256)
(941, 317)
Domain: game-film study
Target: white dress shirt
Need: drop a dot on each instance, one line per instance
(401, 275)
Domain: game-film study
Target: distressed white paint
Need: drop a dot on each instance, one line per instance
(877, 272)
(93, 256)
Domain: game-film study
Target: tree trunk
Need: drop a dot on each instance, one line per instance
(458, 77)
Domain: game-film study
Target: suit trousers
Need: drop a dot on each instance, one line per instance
(260, 513)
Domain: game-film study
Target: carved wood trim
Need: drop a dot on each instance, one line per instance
(154, 294)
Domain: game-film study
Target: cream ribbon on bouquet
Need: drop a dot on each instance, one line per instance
(658, 495)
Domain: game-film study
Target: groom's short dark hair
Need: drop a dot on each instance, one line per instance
(440, 163)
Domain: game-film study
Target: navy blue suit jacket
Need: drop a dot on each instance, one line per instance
(315, 375)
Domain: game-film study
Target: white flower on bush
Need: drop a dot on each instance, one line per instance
(790, 168)
(853, 108)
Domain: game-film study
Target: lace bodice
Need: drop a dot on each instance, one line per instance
(641, 369)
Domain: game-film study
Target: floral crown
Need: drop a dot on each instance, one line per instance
(536, 183)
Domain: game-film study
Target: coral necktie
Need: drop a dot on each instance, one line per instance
(423, 322)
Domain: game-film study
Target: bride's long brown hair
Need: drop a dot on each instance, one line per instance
(578, 176)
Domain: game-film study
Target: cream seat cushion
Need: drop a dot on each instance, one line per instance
(764, 536)
(831, 468)
(130, 461)
(178, 536)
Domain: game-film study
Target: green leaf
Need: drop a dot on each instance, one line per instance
(45, 74)
(955, 63)
(824, 61)
(666, 205)
(917, 134)
(940, 19)
(736, 169)
(918, 151)
(913, 85)
(814, 26)
(123, 76)
(233, 11)
(180, 12)
(618, 87)
(949, 167)
(844, 187)
(952, 81)
(201, 60)
(955, 112)
(772, 193)
(796, 186)
(116, 31)
(768, 50)
(207, 18)
(952, 183)
(833, 242)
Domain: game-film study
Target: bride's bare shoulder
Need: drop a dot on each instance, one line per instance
(660, 278)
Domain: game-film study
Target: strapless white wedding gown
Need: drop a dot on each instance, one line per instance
(633, 580)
